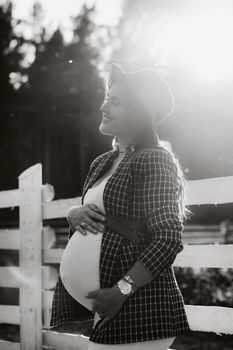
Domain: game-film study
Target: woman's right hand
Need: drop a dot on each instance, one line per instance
(90, 214)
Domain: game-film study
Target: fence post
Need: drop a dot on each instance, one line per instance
(30, 260)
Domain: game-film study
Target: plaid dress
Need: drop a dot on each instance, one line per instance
(143, 187)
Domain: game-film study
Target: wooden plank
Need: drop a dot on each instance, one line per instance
(201, 228)
(9, 314)
(30, 185)
(203, 240)
(9, 198)
(8, 345)
(210, 255)
(49, 277)
(11, 277)
(204, 237)
(48, 193)
(59, 208)
(201, 234)
(9, 239)
(204, 191)
(201, 318)
(52, 256)
(217, 190)
(47, 299)
(67, 341)
(49, 237)
(215, 319)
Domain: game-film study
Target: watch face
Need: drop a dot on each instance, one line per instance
(124, 287)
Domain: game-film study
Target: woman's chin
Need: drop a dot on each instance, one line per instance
(106, 129)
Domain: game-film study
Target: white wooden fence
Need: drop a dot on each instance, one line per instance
(36, 279)
(192, 233)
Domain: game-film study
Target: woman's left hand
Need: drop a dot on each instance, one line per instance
(108, 302)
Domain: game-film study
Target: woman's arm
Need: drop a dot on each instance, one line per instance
(158, 193)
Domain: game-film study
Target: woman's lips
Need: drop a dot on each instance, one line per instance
(106, 117)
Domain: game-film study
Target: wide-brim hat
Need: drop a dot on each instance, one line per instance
(151, 89)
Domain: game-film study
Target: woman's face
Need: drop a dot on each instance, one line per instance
(114, 110)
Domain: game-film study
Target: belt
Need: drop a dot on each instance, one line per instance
(125, 227)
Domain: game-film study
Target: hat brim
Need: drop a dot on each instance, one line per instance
(166, 109)
(115, 68)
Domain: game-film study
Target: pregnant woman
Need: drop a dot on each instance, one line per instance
(117, 269)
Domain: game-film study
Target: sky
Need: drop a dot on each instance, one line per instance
(58, 12)
(196, 38)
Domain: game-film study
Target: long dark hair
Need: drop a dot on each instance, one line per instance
(148, 137)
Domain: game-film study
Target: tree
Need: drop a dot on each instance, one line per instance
(10, 57)
(63, 96)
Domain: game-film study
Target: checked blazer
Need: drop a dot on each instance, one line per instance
(143, 187)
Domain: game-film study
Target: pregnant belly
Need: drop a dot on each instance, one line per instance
(79, 266)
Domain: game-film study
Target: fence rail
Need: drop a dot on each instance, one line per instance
(36, 278)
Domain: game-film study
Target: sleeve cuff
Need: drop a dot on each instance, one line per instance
(159, 255)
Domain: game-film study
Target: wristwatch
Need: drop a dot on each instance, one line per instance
(125, 287)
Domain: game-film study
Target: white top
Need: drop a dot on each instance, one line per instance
(95, 194)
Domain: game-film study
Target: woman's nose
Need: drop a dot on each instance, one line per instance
(104, 107)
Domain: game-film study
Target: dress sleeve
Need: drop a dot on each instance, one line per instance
(158, 193)
(94, 164)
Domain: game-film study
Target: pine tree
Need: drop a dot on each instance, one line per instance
(10, 71)
(63, 95)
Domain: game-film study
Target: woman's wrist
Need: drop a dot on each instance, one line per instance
(126, 286)
(139, 274)
(137, 277)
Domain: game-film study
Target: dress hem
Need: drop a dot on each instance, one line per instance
(70, 321)
(138, 340)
